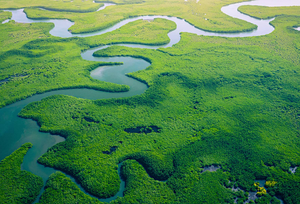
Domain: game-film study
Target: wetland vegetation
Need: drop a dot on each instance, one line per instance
(205, 15)
(269, 12)
(55, 5)
(32, 62)
(4, 15)
(18, 186)
(228, 102)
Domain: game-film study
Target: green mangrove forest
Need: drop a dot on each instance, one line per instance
(173, 105)
(18, 186)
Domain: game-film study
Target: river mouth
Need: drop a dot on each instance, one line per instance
(21, 130)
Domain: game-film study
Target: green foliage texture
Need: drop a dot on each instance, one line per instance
(269, 12)
(33, 62)
(140, 188)
(60, 189)
(55, 5)
(4, 15)
(18, 186)
(232, 102)
(225, 101)
(205, 15)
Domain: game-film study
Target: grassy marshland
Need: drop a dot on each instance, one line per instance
(4, 15)
(225, 101)
(55, 5)
(232, 102)
(33, 62)
(264, 12)
(203, 14)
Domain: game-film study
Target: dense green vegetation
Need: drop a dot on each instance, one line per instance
(125, 1)
(225, 101)
(61, 5)
(60, 189)
(140, 188)
(264, 12)
(192, 186)
(137, 32)
(206, 15)
(4, 15)
(33, 62)
(15, 35)
(55, 5)
(18, 186)
(232, 102)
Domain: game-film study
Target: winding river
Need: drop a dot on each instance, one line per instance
(15, 131)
